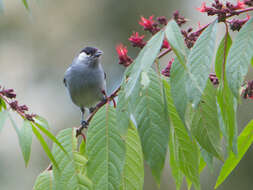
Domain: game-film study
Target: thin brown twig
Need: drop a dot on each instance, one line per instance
(98, 106)
(9, 103)
(239, 12)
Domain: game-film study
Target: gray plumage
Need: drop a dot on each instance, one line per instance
(85, 78)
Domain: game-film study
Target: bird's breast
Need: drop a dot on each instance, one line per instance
(85, 85)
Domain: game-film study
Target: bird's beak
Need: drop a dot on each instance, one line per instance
(98, 53)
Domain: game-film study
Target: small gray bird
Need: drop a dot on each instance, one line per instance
(85, 80)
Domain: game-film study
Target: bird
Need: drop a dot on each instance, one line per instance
(85, 80)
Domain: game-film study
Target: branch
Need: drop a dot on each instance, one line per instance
(98, 106)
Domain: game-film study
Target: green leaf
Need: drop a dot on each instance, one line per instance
(105, 150)
(208, 158)
(25, 3)
(44, 181)
(80, 162)
(144, 60)
(82, 148)
(2, 104)
(187, 156)
(199, 63)
(205, 124)
(14, 125)
(176, 41)
(43, 127)
(227, 107)
(178, 89)
(25, 140)
(239, 58)
(133, 173)
(44, 145)
(245, 140)
(70, 175)
(202, 165)
(227, 104)
(174, 160)
(41, 121)
(225, 42)
(122, 111)
(152, 121)
(3, 116)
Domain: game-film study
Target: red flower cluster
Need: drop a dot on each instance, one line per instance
(166, 71)
(180, 20)
(149, 24)
(248, 90)
(236, 24)
(136, 40)
(162, 20)
(124, 59)
(221, 10)
(166, 44)
(10, 94)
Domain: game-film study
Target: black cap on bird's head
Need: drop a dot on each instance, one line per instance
(92, 51)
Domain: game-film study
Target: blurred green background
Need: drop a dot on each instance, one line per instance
(37, 48)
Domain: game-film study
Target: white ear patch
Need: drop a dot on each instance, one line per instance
(82, 56)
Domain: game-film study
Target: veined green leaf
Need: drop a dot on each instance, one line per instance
(245, 140)
(152, 122)
(82, 148)
(14, 125)
(227, 106)
(105, 150)
(187, 150)
(174, 160)
(70, 175)
(41, 121)
(3, 116)
(225, 42)
(205, 124)
(44, 181)
(44, 146)
(178, 89)
(80, 162)
(144, 60)
(133, 173)
(226, 103)
(176, 41)
(199, 64)
(239, 58)
(202, 165)
(122, 111)
(25, 140)
(208, 158)
(45, 130)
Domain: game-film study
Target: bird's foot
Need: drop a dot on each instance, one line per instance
(92, 109)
